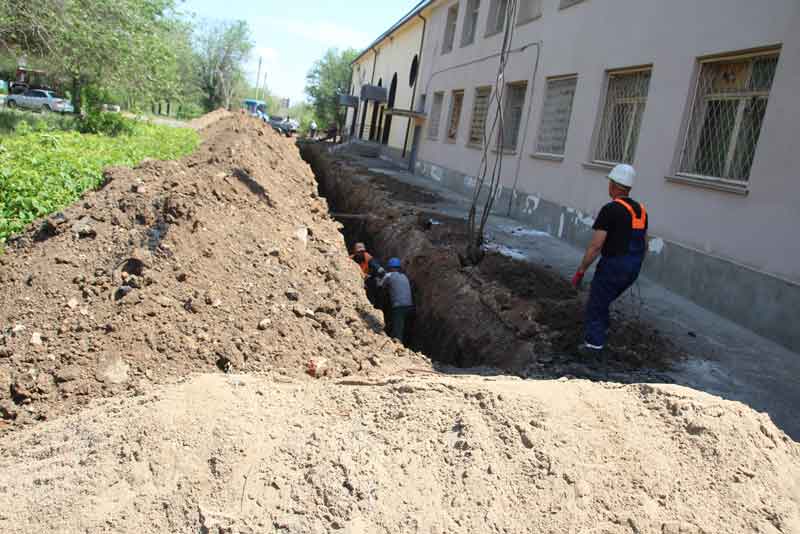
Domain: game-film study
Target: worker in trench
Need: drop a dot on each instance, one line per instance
(401, 300)
(620, 238)
(371, 270)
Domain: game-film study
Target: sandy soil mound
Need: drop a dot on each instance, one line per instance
(240, 454)
(227, 259)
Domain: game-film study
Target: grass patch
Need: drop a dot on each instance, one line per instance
(42, 172)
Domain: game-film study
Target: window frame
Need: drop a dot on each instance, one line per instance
(449, 39)
(548, 80)
(436, 118)
(494, 14)
(742, 97)
(535, 16)
(473, 7)
(480, 143)
(450, 115)
(640, 104)
(510, 86)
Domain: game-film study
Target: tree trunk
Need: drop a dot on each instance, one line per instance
(76, 94)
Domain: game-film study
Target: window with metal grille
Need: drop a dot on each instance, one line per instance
(470, 22)
(436, 115)
(514, 105)
(497, 17)
(728, 111)
(556, 114)
(528, 10)
(456, 103)
(480, 108)
(625, 103)
(450, 29)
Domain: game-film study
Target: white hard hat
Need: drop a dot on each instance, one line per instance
(623, 175)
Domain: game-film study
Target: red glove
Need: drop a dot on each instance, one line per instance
(577, 279)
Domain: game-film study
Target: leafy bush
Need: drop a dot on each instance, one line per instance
(189, 111)
(113, 124)
(43, 172)
(10, 119)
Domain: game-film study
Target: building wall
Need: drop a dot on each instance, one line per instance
(395, 55)
(735, 244)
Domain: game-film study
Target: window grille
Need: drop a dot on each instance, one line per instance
(529, 10)
(480, 108)
(727, 115)
(497, 17)
(556, 115)
(450, 29)
(470, 22)
(621, 122)
(436, 115)
(514, 106)
(456, 104)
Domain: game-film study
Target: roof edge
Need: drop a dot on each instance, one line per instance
(396, 26)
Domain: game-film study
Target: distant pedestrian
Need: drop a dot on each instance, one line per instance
(400, 297)
(312, 130)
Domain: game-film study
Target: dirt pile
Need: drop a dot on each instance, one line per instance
(239, 454)
(225, 260)
(503, 313)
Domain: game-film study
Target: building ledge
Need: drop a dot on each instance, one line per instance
(547, 157)
(598, 165)
(709, 183)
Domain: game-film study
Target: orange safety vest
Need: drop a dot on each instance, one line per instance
(364, 264)
(637, 223)
(638, 243)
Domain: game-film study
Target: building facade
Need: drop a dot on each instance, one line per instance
(698, 96)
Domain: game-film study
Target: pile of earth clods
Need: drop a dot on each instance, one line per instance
(225, 260)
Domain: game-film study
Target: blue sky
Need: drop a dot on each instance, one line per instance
(291, 35)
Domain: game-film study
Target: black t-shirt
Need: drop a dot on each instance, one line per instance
(615, 219)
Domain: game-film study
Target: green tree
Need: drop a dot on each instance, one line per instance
(222, 49)
(327, 79)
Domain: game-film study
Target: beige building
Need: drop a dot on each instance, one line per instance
(699, 96)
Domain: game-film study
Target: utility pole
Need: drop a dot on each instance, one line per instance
(258, 76)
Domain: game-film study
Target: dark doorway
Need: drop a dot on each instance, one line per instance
(392, 94)
(373, 124)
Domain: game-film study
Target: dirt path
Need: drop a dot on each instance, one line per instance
(189, 349)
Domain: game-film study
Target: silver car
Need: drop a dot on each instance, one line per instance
(40, 100)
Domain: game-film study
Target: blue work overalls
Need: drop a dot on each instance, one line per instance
(614, 275)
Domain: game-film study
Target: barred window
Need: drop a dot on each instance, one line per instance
(529, 10)
(556, 115)
(497, 17)
(436, 115)
(470, 22)
(514, 106)
(456, 104)
(450, 29)
(622, 116)
(479, 110)
(727, 115)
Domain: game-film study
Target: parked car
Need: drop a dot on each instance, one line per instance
(286, 126)
(40, 100)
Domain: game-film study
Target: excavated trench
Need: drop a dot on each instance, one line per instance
(503, 313)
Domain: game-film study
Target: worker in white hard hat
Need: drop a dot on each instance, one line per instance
(620, 238)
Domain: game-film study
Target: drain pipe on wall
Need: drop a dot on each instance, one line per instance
(521, 151)
(416, 80)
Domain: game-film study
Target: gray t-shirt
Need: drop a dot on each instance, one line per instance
(399, 289)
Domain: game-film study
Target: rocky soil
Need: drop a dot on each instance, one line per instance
(189, 349)
(225, 260)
